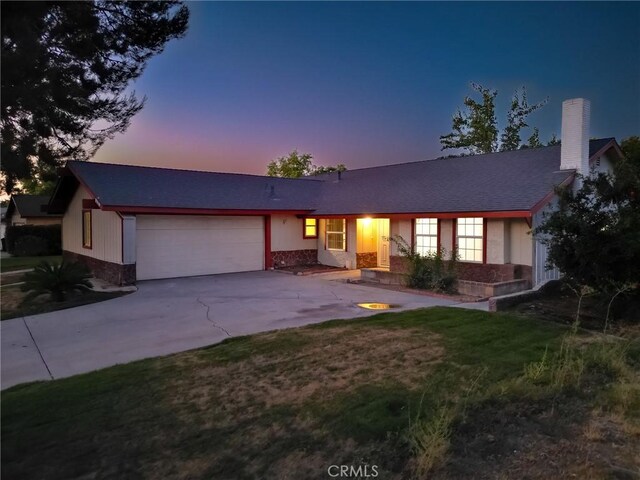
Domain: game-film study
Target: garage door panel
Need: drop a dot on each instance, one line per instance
(179, 246)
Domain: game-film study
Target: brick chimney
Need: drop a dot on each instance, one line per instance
(576, 117)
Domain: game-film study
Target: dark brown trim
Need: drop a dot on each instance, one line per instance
(413, 234)
(346, 235)
(89, 204)
(439, 236)
(611, 144)
(268, 263)
(484, 240)
(454, 236)
(442, 215)
(90, 246)
(197, 211)
(304, 228)
(549, 196)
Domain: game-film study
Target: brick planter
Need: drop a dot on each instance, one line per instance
(111, 272)
(292, 258)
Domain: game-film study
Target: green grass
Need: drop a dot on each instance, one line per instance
(9, 264)
(279, 405)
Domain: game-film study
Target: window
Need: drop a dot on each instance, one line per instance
(336, 234)
(86, 228)
(426, 236)
(470, 239)
(310, 228)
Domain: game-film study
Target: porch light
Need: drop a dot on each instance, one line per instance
(366, 221)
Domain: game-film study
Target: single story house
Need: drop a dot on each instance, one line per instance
(30, 210)
(131, 223)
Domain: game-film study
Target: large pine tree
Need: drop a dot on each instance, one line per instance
(65, 70)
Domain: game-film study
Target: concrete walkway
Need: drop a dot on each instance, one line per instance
(169, 316)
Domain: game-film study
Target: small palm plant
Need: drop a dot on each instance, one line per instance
(56, 279)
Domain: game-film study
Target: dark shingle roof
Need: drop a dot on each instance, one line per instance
(505, 181)
(29, 205)
(125, 185)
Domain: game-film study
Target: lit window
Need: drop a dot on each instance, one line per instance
(86, 228)
(310, 228)
(470, 239)
(336, 233)
(426, 236)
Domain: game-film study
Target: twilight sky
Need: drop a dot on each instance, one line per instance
(371, 83)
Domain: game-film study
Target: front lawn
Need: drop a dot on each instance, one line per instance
(9, 264)
(440, 391)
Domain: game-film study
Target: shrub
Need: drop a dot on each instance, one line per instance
(429, 272)
(30, 246)
(56, 279)
(430, 439)
(50, 234)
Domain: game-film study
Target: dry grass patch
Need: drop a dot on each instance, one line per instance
(332, 361)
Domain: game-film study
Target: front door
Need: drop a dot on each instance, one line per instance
(383, 242)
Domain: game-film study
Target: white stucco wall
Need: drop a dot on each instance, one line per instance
(401, 228)
(336, 258)
(498, 240)
(106, 231)
(446, 227)
(287, 234)
(521, 242)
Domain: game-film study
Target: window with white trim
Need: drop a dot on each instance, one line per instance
(336, 234)
(426, 236)
(470, 239)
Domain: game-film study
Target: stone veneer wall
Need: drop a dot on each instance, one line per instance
(111, 272)
(477, 272)
(292, 258)
(367, 260)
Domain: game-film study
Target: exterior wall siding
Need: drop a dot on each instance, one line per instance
(287, 234)
(400, 228)
(497, 241)
(334, 258)
(106, 231)
(521, 242)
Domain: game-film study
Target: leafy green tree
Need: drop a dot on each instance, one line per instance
(534, 139)
(475, 130)
(320, 170)
(66, 67)
(554, 140)
(293, 165)
(297, 165)
(592, 237)
(517, 120)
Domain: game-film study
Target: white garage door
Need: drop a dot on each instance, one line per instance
(182, 246)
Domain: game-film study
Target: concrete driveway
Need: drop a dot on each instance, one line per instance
(169, 316)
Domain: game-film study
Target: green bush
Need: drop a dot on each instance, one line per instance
(30, 246)
(56, 279)
(429, 272)
(50, 243)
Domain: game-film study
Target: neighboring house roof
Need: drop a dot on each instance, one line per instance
(29, 206)
(513, 181)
